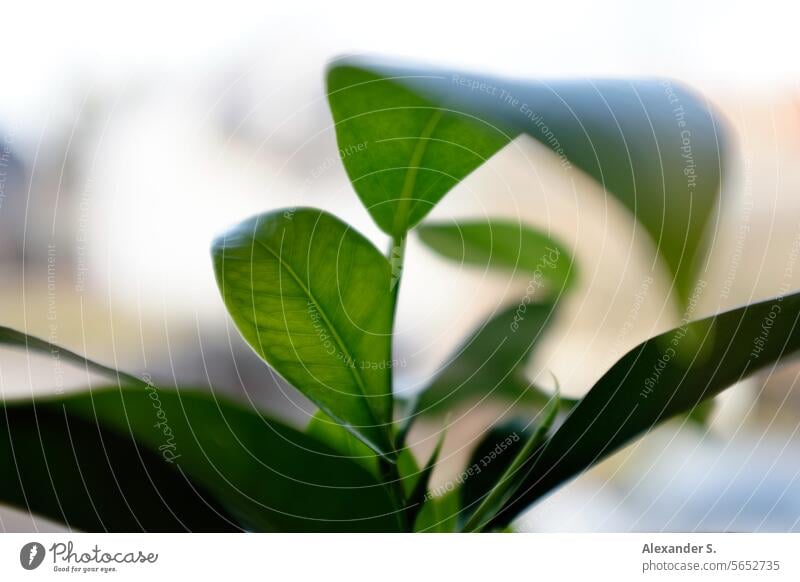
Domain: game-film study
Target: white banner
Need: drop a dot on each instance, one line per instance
(400, 557)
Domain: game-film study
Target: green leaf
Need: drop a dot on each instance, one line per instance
(205, 451)
(489, 461)
(312, 297)
(503, 245)
(514, 474)
(439, 514)
(489, 364)
(72, 470)
(334, 435)
(654, 145)
(17, 339)
(419, 495)
(661, 378)
(402, 151)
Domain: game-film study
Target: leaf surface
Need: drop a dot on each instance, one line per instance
(653, 144)
(503, 245)
(665, 376)
(312, 297)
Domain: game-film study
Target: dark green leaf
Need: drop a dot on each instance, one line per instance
(312, 297)
(516, 471)
(268, 476)
(72, 470)
(504, 245)
(652, 144)
(489, 461)
(662, 377)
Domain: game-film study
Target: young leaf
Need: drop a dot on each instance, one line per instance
(312, 297)
(489, 461)
(662, 377)
(103, 447)
(439, 514)
(642, 140)
(503, 245)
(490, 362)
(402, 151)
(417, 498)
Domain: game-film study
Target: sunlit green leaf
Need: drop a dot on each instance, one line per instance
(402, 151)
(652, 144)
(312, 297)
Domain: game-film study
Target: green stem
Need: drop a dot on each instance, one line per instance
(389, 471)
(396, 256)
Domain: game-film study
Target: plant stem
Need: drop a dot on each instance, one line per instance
(389, 471)
(396, 256)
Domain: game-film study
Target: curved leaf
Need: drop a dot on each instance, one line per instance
(489, 461)
(102, 449)
(17, 339)
(503, 245)
(652, 144)
(74, 471)
(514, 473)
(662, 377)
(312, 297)
(490, 362)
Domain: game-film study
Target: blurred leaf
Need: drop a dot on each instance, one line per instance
(701, 414)
(268, 476)
(439, 514)
(515, 472)
(642, 140)
(662, 377)
(402, 152)
(17, 339)
(489, 461)
(312, 297)
(491, 361)
(503, 245)
(72, 470)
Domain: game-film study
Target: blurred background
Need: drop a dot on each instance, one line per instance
(132, 133)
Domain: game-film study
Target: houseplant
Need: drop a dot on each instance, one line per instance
(316, 300)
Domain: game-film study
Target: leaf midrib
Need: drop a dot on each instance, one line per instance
(403, 206)
(353, 371)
